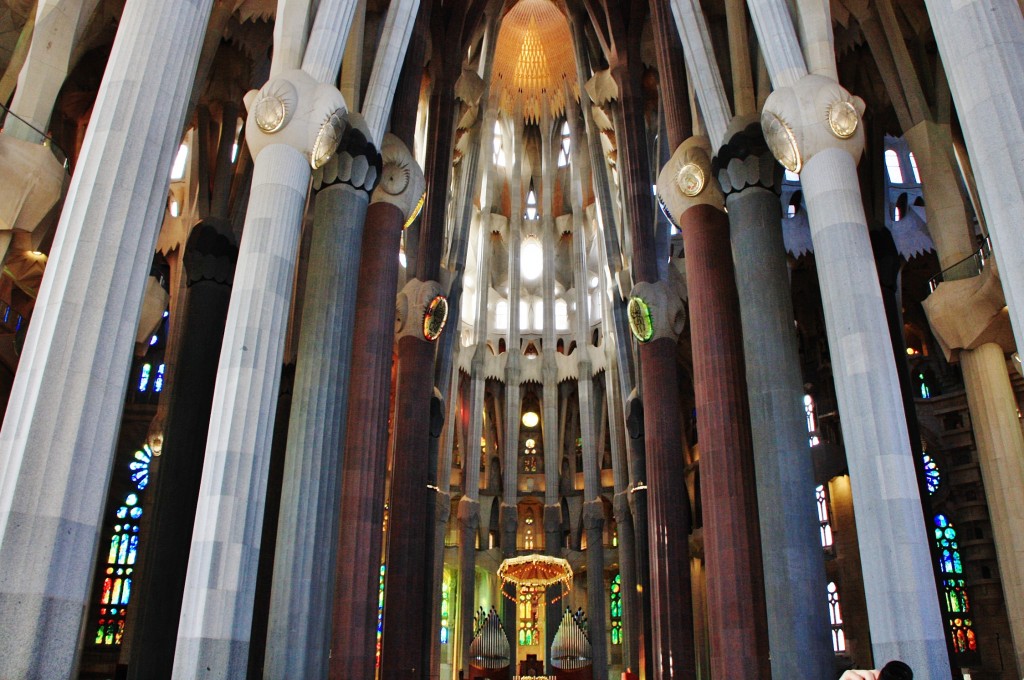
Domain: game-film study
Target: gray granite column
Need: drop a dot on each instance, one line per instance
(794, 573)
(299, 631)
(982, 48)
(61, 425)
(899, 587)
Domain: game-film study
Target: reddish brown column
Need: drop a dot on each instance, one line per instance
(364, 464)
(407, 593)
(732, 544)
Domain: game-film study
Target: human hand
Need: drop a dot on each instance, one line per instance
(859, 675)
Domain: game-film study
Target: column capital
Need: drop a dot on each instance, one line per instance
(401, 181)
(593, 515)
(295, 110)
(353, 162)
(655, 311)
(686, 180)
(745, 160)
(210, 253)
(469, 513)
(552, 519)
(415, 302)
(813, 114)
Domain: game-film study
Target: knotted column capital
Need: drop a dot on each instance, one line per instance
(469, 513)
(401, 182)
(421, 310)
(745, 160)
(210, 253)
(655, 311)
(813, 114)
(354, 161)
(552, 519)
(593, 515)
(294, 109)
(687, 180)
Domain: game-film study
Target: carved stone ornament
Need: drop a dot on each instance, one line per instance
(664, 313)
(210, 254)
(401, 180)
(745, 160)
(814, 114)
(353, 160)
(412, 305)
(593, 515)
(686, 180)
(294, 109)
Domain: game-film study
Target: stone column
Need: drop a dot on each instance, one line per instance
(900, 591)
(61, 425)
(364, 462)
(298, 635)
(293, 122)
(209, 259)
(732, 543)
(982, 48)
(794, 573)
(406, 594)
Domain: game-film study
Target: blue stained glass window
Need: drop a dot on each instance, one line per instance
(158, 382)
(144, 377)
(932, 478)
(958, 606)
(140, 467)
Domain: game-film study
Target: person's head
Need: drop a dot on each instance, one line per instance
(896, 670)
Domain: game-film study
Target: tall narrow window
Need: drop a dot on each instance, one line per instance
(615, 602)
(531, 255)
(380, 611)
(957, 606)
(932, 478)
(892, 166)
(501, 315)
(836, 618)
(561, 315)
(446, 607)
(530, 598)
(122, 552)
(913, 167)
(812, 421)
(499, 145)
(824, 520)
(531, 204)
(563, 152)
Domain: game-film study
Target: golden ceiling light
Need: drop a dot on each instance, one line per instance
(534, 59)
(530, 419)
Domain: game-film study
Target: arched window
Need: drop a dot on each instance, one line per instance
(530, 598)
(538, 315)
(118, 570)
(561, 315)
(615, 601)
(932, 478)
(499, 145)
(836, 618)
(563, 152)
(823, 517)
(892, 166)
(913, 167)
(531, 204)
(812, 422)
(446, 607)
(501, 315)
(531, 256)
(956, 603)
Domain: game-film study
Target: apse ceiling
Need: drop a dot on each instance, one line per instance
(534, 60)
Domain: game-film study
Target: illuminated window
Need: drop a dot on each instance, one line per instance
(897, 214)
(791, 176)
(561, 315)
(913, 167)
(531, 205)
(380, 611)
(836, 618)
(144, 377)
(524, 315)
(531, 600)
(499, 145)
(178, 169)
(446, 607)
(892, 166)
(932, 478)
(812, 421)
(563, 152)
(501, 315)
(615, 601)
(122, 552)
(531, 255)
(538, 315)
(957, 606)
(926, 391)
(824, 522)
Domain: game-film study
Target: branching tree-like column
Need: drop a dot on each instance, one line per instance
(61, 426)
(298, 635)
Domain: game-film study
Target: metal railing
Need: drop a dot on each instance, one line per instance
(47, 141)
(967, 268)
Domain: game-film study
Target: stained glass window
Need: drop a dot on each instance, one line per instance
(563, 152)
(380, 611)
(957, 605)
(836, 618)
(119, 569)
(931, 474)
(812, 423)
(615, 597)
(824, 522)
(446, 607)
(531, 600)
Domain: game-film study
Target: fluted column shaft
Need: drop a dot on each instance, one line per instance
(173, 499)
(364, 461)
(982, 48)
(61, 425)
(732, 544)
(298, 635)
(406, 595)
(794, 577)
(216, 615)
(898, 584)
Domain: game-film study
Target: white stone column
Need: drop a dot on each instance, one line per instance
(299, 627)
(293, 122)
(982, 48)
(57, 442)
